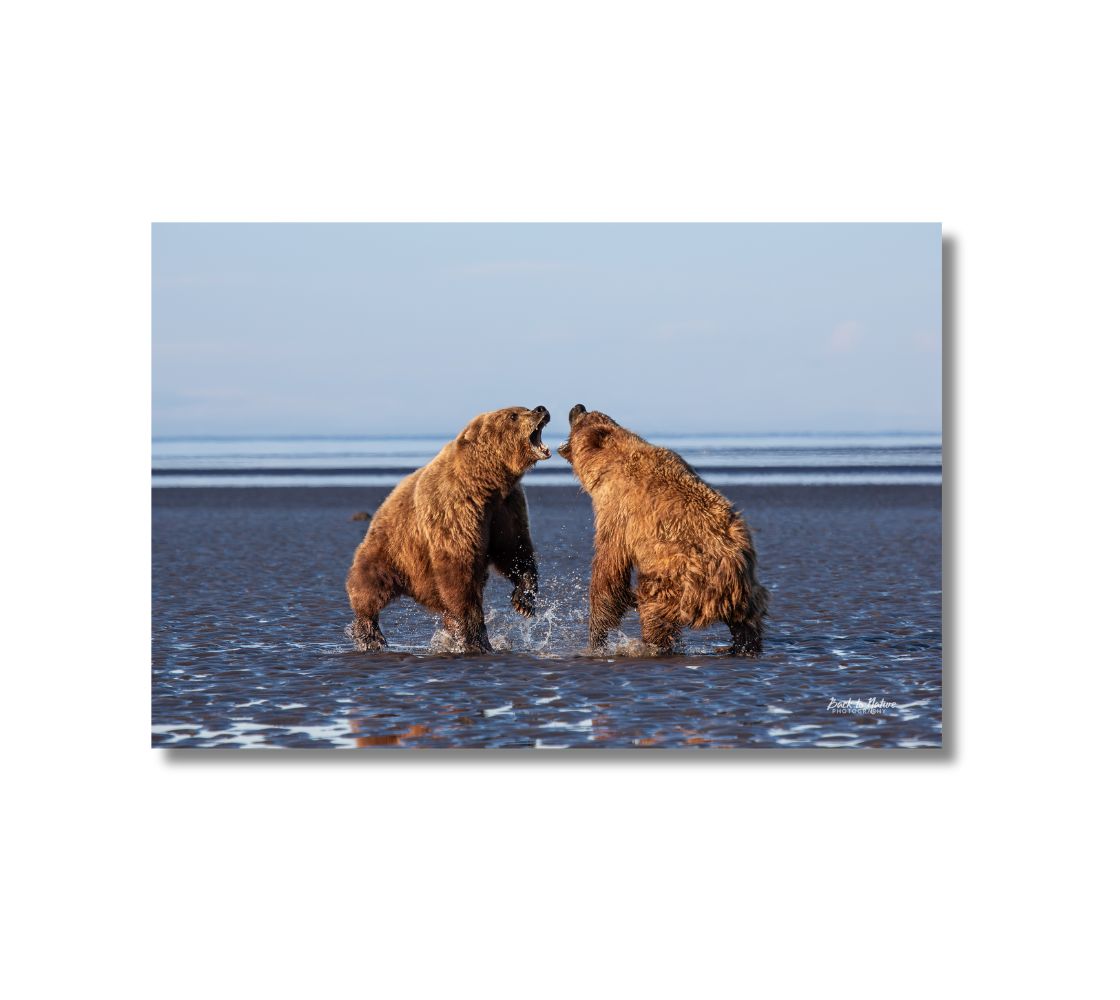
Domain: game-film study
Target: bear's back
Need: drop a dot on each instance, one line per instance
(658, 498)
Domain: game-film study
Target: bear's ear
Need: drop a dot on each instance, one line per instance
(596, 436)
(469, 434)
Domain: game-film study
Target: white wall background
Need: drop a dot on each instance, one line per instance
(985, 869)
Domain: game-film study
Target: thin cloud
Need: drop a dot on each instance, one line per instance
(927, 342)
(846, 338)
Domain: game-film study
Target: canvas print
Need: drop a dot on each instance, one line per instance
(546, 486)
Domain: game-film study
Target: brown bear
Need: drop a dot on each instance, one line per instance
(692, 551)
(440, 529)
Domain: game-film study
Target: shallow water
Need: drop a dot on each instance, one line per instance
(249, 610)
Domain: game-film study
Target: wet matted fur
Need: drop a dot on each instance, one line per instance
(438, 532)
(693, 553)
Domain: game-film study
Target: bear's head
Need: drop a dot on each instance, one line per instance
(509, 438)
(586, 448)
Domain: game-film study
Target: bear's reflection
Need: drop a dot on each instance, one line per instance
(360, 728)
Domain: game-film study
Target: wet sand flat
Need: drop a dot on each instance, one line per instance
(249, 609)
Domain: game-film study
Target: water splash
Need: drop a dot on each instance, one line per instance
(542, 634)
(620, 644)
(443, 642)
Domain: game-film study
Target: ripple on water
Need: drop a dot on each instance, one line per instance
(246, 656)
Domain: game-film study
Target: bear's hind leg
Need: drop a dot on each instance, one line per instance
(746, 637)
(370, 588)
(462, 611)
(659, 634)
(468, 626)
(610, 595)
(746, 621)
(659, 611)
(365, 633)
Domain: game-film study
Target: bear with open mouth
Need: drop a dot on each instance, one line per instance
(692, 550)
(436, 535)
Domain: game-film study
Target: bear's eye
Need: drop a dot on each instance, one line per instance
(513, 416)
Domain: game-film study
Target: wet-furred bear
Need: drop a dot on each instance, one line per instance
(436, 535)
(692, 551)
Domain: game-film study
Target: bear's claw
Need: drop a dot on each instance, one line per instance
(524, 603)
(366, 639)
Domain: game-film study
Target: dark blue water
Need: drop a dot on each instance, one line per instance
(723, 460)
(249, 611)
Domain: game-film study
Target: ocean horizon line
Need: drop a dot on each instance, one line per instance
(447, 436)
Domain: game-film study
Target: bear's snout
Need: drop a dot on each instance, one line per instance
(576, 411)
(544, 412)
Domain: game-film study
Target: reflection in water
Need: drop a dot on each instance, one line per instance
(386, 739)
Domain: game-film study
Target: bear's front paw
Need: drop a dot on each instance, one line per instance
(524, 602)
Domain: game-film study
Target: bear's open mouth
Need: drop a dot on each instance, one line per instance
(540, 449)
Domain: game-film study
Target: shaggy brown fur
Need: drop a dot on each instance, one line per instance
(692, 551)
(438, 531)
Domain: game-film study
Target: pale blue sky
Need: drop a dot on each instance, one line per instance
(397, 329)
